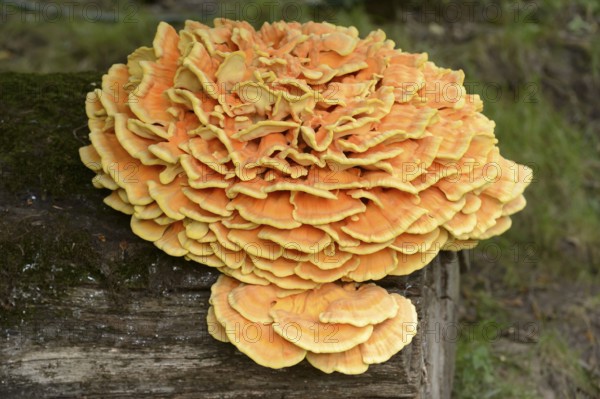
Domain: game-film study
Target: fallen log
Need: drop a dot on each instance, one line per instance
(87, 309)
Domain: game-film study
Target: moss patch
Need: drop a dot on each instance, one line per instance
(43, 123)
(55, 231)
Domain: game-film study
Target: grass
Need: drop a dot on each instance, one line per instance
(559, 357)
(33, 43)
(560, 205)
(488, 370)
(478, 368)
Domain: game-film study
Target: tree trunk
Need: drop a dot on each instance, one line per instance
(87, 309)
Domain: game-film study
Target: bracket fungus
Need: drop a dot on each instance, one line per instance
(299, 160)
(342, 328)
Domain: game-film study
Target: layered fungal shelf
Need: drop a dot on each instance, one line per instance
(294, 157)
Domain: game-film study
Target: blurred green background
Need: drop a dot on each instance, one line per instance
(530, 312)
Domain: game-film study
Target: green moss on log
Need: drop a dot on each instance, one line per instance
(55, 231)
(43, 123)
